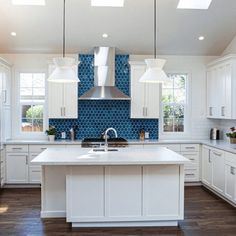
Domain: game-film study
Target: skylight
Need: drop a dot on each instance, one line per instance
(194, 4)
(107, 3)
(29, 2)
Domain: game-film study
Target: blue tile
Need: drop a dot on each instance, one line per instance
(95, 116)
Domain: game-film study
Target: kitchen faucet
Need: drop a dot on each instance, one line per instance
(106, 142)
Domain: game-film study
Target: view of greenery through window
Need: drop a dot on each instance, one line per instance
(174, 103)
(32, 99)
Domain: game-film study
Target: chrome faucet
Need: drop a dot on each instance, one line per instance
(107, 130)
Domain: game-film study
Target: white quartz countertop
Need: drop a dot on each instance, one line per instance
(124, 156)
(220, 144)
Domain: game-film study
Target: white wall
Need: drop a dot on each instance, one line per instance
(231, 48)
(195, 66)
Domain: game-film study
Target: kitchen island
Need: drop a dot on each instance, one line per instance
(128, 187)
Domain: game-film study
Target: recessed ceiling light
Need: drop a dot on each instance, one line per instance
(105, 35)
(194, 4)
(29, 2)
(201, 38)
(13, 33)
(107, 3)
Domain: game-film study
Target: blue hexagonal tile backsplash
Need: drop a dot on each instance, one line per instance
(95, 116)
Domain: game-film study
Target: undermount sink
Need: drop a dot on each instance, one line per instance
(104, 150)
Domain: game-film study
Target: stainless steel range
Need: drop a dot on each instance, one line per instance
(97, 142)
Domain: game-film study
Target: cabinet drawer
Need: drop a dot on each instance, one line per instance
(35, 174)
(189, 147)
(173, 147)
(230, 157)
(17, 148)
(191, 175)
(192, 156)
(41, 148)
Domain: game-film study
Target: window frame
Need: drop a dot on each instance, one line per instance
(187, 110)
(17, 112)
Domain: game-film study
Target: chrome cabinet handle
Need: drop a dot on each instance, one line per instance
(143, 111)
(217, 154)
(232, 170)
(209, 159)
(146, 111)
(64, 111)
(210, 111)
(61, 111)
(223, 111)
(26, 160)
(43, 148)
(36, 171)
(16, 148)
(189, 174)
(189, 147)
(4, 96)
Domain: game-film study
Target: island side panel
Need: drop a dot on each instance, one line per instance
(163, 187)
(53, 191)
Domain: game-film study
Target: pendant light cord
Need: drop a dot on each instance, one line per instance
(64, 28)
(155, 29)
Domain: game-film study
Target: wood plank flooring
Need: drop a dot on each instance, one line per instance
(205, 215)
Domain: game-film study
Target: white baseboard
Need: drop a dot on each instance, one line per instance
(127, 224)
(53, 214)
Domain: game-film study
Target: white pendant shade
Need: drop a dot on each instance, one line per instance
(154, 72)
(65, 70)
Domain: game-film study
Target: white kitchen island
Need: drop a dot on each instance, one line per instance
(128, 187)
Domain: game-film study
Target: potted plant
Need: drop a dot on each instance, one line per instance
(232, 135)
(51, 132)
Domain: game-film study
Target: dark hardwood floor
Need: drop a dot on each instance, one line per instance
(205, 215)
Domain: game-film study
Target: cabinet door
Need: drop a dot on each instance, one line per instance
(70, 109)
(210, 97)
(218, 174)
(6, 123)
(137, 92)
(230, 181)
(55, 100)
(226, 106)
(6, 86)
(206, 166)
(17, 168)
(152, 101)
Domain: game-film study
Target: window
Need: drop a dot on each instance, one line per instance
(32, 102)
(174, 104)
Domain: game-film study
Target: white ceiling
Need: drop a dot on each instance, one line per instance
(130, 28)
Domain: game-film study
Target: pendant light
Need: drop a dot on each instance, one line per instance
(154, 72)
(65, 66)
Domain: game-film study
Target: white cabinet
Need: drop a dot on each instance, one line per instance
(206, 166)
(2, 168)
(213, 168)
(17, 168)
(218, 172)
(230, 176)
(5, 101)
(62, 100)
(145, 98)
(221, 84)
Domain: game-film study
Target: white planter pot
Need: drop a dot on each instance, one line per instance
(51, 138)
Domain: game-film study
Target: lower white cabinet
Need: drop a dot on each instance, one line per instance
(206, 166)
(218, 173)
(230, 181)
(213, 173)
(16, 168)
(34, 171)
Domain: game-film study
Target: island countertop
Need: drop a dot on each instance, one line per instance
(124, 156)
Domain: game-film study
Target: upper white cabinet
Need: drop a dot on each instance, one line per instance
(62, 99)
(145, 98)
(221, 84)
(5, 100)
